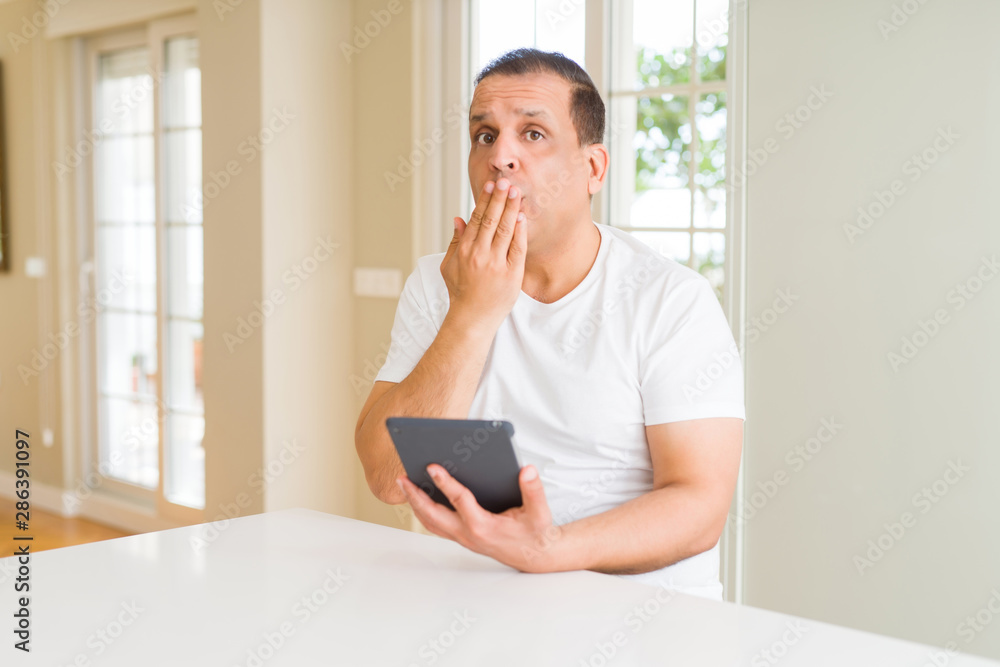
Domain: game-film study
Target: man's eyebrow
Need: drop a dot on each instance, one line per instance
(530, 113)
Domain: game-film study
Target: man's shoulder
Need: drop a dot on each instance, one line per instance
(428, 269)
(635, 261)
(425, 285)
(430, 265)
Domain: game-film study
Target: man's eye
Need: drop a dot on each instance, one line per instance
(530, 132)
(482, 134)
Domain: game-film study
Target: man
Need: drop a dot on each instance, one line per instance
(615, 364)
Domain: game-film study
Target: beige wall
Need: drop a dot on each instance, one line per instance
(27, 320)
(283, 235)
(382, 111)
(233, 381)
(826, 355)
(308, 209)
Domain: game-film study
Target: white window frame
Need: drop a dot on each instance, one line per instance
(126, 504)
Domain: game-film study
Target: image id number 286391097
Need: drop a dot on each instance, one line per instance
(22, 542)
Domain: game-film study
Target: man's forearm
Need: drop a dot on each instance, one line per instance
(647, 533)
(442, 385)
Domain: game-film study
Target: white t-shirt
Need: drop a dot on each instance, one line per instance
(641, 340)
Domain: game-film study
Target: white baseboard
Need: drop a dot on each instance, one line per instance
(43, 496)
(98, 507)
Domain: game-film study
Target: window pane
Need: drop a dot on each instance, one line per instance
(710, 191)
(185, 460)
(656, 194)
(710, 208)
(661, 208)
(125, 213)
(123, 123)
(709, 257)
(182, 138)
(183, 175)
(662, 142)
(503, 26)
(710, 120)
(184, 378)
(662, 34)
(124, 96)
(185, 269)
(549, 25)
(712, 34)
(182, 87)
(561, 26)
(123, 180)
(675, 245)
(126, 267)
(127, 349)
(129, 430)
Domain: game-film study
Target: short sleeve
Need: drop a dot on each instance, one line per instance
(413, 331)
(692, 367)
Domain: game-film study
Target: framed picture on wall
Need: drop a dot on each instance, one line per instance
(4, 222)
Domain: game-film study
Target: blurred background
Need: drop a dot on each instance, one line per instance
(208, 209)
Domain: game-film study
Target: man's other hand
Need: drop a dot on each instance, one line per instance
(521, 537)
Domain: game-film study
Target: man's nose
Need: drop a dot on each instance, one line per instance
(503, 156)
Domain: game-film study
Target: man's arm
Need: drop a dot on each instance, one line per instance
(695, 467)
(442, 385)
(483, 270)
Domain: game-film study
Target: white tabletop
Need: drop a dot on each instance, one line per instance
(328, 590)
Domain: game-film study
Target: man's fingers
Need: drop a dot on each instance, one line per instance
(456, 237)
(491, 216)
(477, 213)
(518, 243)
(444, 521)
(505, 227)
(458, 495)
(533, 493)
(459, 229)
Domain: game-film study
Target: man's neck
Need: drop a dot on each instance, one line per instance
(566, 262)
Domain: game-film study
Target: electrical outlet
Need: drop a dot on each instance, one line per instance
(371, 281)
(34, 267)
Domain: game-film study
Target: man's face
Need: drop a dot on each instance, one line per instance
(521, 130)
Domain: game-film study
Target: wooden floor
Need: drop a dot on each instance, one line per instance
(51, 531)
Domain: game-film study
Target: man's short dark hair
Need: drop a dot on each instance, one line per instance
(586, 107)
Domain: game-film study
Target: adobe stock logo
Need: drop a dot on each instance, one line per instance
(293, 277)
(715, 370)
(915, 166)
(39, 20)
(901, 13)
(961, 294)
(788, 125)
(924, 500)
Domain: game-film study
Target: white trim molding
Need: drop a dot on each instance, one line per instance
(440, 98)
(88, 502)
(733, 537)
(80, 18)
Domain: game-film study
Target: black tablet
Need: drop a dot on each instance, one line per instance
(478, 453)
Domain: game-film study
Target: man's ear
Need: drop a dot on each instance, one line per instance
(597, 160)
